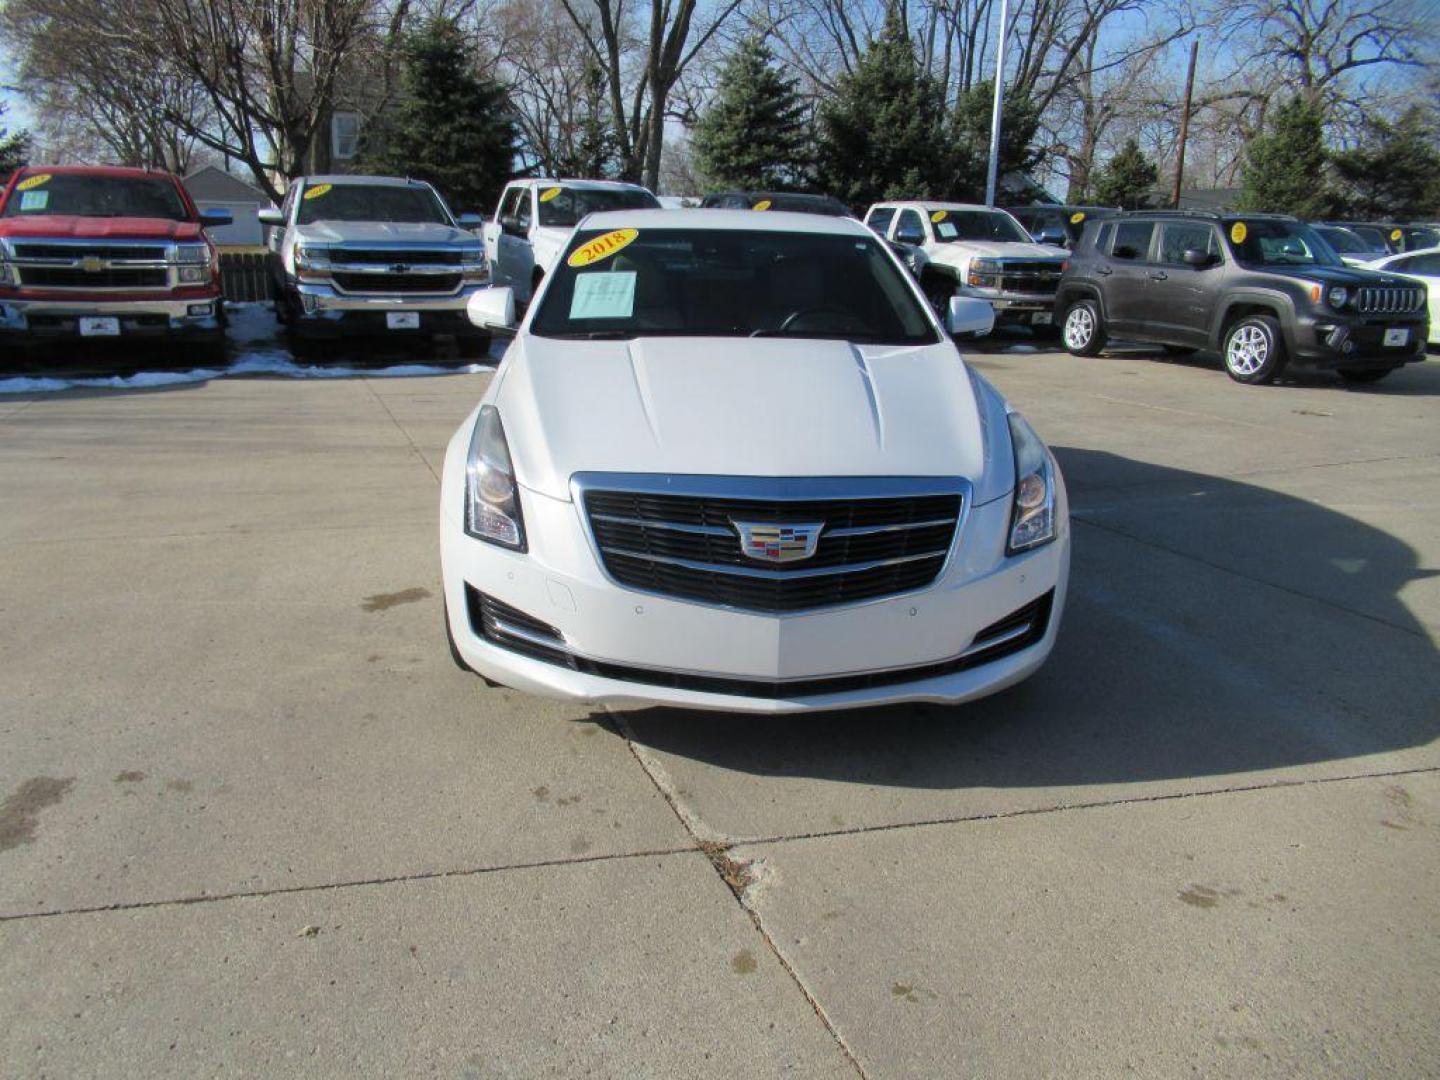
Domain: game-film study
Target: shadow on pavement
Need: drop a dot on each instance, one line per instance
(1166, 666)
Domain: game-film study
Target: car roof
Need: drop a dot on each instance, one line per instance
(92, 170)
(935, 204)
(369, 181)
(727, 220)
(586, 185)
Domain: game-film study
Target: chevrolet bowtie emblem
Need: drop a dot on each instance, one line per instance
(399, 268)
(92, 264)
(778, 543)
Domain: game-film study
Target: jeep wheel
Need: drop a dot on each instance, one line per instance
(1361, 376)
(1254, 351)
(1083, 331)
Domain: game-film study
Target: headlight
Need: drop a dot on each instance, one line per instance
(1032, 522)
(311, 258)
(192, 253)
(492, 499)
(194, 275)
(476, 269)
(985, 266)
(7, 274)
(984, 274)
(472, 254)
(1337, 297)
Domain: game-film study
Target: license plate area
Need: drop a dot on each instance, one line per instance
(99, 326)
(402, 320)
(1398, 336)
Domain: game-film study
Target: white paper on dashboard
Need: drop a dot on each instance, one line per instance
(604, 295)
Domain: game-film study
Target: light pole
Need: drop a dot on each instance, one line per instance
(993, 178)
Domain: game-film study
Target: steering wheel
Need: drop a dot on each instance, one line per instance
(795, 316)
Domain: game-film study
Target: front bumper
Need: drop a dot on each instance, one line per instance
(1331, 342)
(322, 310)
(1014, 307)
(561, 584)
(161, 316)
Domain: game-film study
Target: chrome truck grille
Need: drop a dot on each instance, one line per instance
(91, 265)
(681, 536)
(1389, 300)
(1029, 276)
(398, 269)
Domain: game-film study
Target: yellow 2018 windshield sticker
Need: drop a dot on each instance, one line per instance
(1077, 217)
(550, 193)
(1395, 234)
(1238, 232)
(33, 182)
(602, 247)
(763, 204)
(316, 191)
(939, 216)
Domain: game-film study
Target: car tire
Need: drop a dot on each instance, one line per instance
(1364, 376)
(1254, 350)
(1083, 329)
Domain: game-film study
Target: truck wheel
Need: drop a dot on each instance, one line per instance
(1254, 350)
(1084, 330)
(1361, 376)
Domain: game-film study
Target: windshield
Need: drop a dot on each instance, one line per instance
(563, 207)
(1343, 241)
(626, 283)
(370, 202)
(978, 225)
(97, 196)
(1279, 243)
(1417, 238)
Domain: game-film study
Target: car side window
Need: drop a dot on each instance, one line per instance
(880, 218)
(908, 229)
(1132, 240)
(1104, 236)
(1178, 237)
(523, 212)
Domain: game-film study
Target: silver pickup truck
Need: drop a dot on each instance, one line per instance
(373, 255)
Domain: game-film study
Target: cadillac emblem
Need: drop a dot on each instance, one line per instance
(778, 543)
(92, 264)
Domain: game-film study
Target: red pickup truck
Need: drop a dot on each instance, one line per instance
(107, 252)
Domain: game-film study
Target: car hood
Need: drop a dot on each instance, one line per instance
(1009, 250)
(381, 232)
(99, 228)
(1344, 275)
(745, 407)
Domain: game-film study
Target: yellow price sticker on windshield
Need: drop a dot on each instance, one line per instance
(602, 247)
(1395, 234)
(763, 204)
(1077, 217)
(939, 216)
(550, 193)
(1238, 232)
(33, 182)
(316, 191)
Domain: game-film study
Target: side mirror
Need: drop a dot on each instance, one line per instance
(271, 216)
(910, 239)
(969, 315)
(493, 309)
(1055, 237)
(216, 218)
(1197, 258)
(470, 221)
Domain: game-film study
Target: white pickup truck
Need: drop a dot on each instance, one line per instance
(535, 218)
(958, 249)
(373, 255)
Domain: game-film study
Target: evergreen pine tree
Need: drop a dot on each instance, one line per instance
(451, 127)
(1284, 169)
(755, 134)
(969, 139)
(14, 147)
(1396, 172)
(1127, 179)
(881, 133)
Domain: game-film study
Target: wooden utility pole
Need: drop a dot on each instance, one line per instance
(1184, 126)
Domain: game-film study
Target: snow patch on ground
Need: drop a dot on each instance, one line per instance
(260, 351)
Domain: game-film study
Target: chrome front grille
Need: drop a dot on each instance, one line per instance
(91, 265)
(1389, 300)
(387, 257)
(408, 282)
(678, 536)
(1039, 276)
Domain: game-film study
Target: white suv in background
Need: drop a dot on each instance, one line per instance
(958, 249)
(535, 218)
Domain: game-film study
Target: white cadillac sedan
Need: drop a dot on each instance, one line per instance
(733, 461)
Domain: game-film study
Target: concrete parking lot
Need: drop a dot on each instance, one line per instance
(253, 821)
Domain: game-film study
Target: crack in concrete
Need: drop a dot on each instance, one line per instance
(717, 853)
(401, 428)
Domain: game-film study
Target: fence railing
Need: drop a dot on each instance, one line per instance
(245, 274)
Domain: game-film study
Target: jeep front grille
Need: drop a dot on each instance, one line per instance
(1389, 300)
(880, 537)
